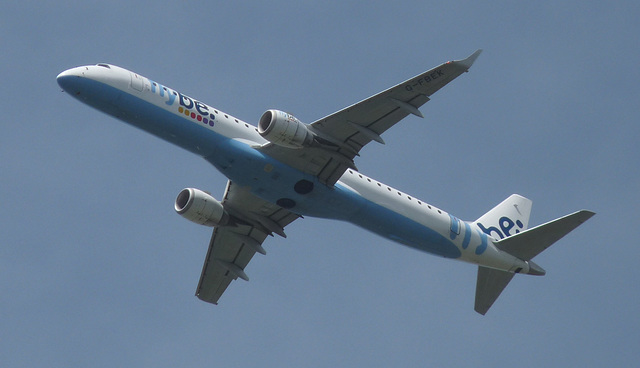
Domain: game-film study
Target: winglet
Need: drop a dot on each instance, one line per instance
(470, 60)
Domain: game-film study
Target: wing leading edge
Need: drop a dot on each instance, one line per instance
(343, 133)
(232, 247)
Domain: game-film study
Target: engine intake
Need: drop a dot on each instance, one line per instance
(284, 129)
(201, 208)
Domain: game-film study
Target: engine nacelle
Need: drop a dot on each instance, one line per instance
(284, 129)
(201, 208)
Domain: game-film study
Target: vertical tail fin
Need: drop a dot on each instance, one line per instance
(508, 218)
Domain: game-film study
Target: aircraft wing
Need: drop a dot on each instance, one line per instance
(232, 247)
(342, 134)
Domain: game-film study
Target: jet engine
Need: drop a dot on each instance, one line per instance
(201, 208)
(284, 129)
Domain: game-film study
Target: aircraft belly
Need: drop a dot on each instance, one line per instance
(275, 182)
(149, 117)
(404, 230)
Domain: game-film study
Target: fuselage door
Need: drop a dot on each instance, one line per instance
(137, 82)
(455, 226)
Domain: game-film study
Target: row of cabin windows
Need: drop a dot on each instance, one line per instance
(215, 111)
(389, 189)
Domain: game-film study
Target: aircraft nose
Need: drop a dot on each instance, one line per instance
(69, 79)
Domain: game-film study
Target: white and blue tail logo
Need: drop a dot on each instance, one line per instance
(508, 218)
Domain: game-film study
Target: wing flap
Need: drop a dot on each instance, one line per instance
(224, 248)
(232, 247)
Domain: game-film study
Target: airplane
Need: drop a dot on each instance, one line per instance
(283, 169)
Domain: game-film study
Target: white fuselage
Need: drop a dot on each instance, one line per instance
(228, 142)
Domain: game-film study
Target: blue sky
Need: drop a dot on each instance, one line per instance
(97, 270)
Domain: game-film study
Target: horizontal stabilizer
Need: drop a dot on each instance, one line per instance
(489, 285)
(524, 245)
(532, 242)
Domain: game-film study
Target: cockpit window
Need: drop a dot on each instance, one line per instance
(104, 66)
